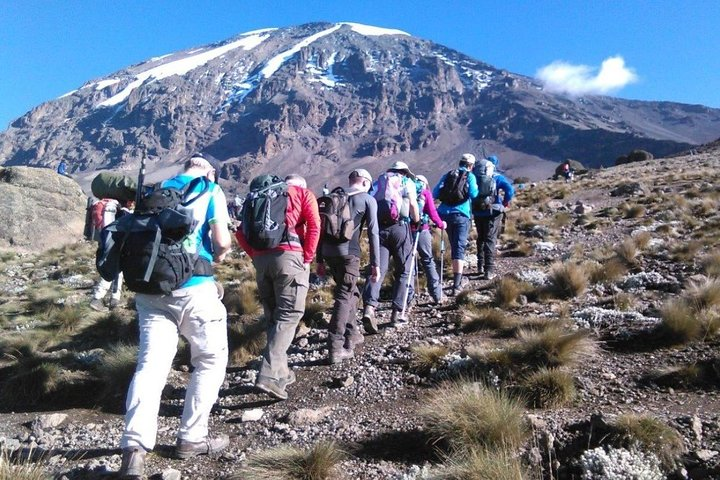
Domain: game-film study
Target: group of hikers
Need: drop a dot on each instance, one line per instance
(283, 228)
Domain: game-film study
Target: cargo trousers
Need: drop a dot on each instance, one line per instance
(283, 281)
(344, 330)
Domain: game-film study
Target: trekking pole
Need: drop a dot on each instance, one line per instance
(442, 261)
(141, 179)
(409, 280)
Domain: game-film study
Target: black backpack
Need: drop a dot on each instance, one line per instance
(263, 213)
(455, 189)
(337, 224)
(147, 246)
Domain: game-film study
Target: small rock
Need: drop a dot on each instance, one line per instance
(47, 421)
(705, 455)
(252, 415)
(170, 474)
(307, 416)
(697, 428)
(544, 246)
(343, 382)
(303, 342)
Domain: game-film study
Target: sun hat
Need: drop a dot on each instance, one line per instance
(401, 167)
(361, 172)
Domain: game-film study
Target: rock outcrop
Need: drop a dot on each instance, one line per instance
(40, 210)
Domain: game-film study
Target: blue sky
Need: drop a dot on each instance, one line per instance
(653, 50)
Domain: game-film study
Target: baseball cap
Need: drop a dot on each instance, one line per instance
(468, 158)
(361, 172)
(214, 162)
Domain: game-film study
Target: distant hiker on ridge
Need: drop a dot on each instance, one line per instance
(455, 190)
(280, 231)
(488, 209)
(343, 257)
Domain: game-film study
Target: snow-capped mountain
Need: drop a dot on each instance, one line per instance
(323, 98)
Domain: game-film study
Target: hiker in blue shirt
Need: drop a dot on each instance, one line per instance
(488, 213)
(455, 208)
(62, 168)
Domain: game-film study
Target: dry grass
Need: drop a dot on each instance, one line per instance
(487, 319)
(552, 347)
(116, 371)
(678, 376)
(567, 280)
(633, 211)
(482, 464)
(508, 290)
(319, 462)
(711, 264)
(686, 252)
(561, 219)
(246, 340)
(607, 271)
(67, 318)
(43, 296)
(642, 239)
(628, 252)
(242, 299)
(11, 469)
(693, 317)
(471, 416)
(30, 381)
(427, 358)
(703, 295)
(624, 301)
(650, 434)
(548, 388)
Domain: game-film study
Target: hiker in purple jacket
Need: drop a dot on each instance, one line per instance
(429, 214)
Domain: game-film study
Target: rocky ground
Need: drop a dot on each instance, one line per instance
(370, 404)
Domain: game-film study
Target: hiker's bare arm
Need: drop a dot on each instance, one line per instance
(221, 241)
(414, 210)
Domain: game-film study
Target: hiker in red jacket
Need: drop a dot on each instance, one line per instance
(282, 275)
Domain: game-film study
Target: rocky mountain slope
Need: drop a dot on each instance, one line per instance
(610, 283)
(323, 98)
(41, 209)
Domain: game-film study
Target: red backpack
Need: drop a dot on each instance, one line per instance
(100, 209)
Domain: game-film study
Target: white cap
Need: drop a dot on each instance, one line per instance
(361, 172)
(423, 179)
(468, 158)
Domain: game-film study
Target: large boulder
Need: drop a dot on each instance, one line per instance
(40, 209)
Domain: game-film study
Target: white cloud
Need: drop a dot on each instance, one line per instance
(563, 77)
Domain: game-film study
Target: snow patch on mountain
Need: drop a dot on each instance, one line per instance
(371, 31)
(105, 83)
(323, 75)
(469, 73)
(181, 67)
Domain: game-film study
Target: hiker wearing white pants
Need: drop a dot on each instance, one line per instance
(195, 311)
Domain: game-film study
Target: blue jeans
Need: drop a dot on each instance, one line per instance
(458, 227)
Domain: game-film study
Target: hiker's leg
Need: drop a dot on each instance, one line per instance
(480, 228)
(101, 289)
(493, 229)
(458, 241)
(428, 263)
(291, 287)
(204, 325)
(158, 344)
(344, 285)
(371, 291)
(402, 247)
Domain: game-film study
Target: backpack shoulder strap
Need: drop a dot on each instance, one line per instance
(192, 184)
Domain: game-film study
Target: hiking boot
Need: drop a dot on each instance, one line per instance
(369, 321)
(339, 356)
(489, 275)
(289, 380)
(397, 320)
(272, 388)
(480, 269)
(97, 305)
(133, 463)
(114, 303)
(186, 449)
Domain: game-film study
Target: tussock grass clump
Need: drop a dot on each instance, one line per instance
(649, 434)
(703, 295)
(67, 318)
(628, 252)
(693, 317)
(607, 271)
(482, 464)
(508, 290)
(32, 379)
(246, 340)
(115, 324)
(427, 358)
(686, 252)
(642, 239)
(11, 469)
(633, 211)
(319, 462)
(115, 371)
(679, 376)
(550, 348)
(624, 301)
(43, 297)
(472, 416)
(487, 319)
(562, 219)
(548, 388)
(243, 298)
(567, 280)
(711, 264)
